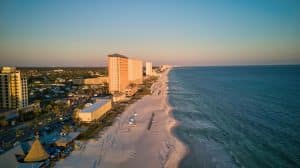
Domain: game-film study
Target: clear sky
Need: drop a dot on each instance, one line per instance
(186, 32)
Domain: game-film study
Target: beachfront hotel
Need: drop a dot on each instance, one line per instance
(13, 89)
(122, 71)
(94, 111)
(135, 71)
(117, 73)
(148, 68)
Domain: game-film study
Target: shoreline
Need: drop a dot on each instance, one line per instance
(182, 149)
(122, 145)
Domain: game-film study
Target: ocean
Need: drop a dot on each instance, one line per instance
(239, 116)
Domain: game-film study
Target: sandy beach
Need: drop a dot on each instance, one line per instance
(150, 143)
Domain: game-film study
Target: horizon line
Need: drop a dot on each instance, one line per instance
(224, 65)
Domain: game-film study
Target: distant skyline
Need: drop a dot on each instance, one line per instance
(190, 32)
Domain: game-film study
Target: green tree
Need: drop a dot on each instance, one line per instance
(3, 121)
(66, 129)
(75, 116)
(37, 111)
(48, 108)
(56, 110)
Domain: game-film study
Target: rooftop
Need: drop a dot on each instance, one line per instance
(99, 102)
(6, 69)
(117, 55)
(36, 153)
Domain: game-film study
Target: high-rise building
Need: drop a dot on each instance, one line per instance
(148, 68)
(135, 71)
(117, 73)
(13, 89)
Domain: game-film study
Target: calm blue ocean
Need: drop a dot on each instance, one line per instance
(246, 116)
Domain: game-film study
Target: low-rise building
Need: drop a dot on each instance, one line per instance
(60, 80)
(119, 97)
(11, 115)
(58, 70)
(64, 101)
(91, 81)
(95, 110)
(31, 107)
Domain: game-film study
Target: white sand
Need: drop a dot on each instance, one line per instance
(124, 146)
